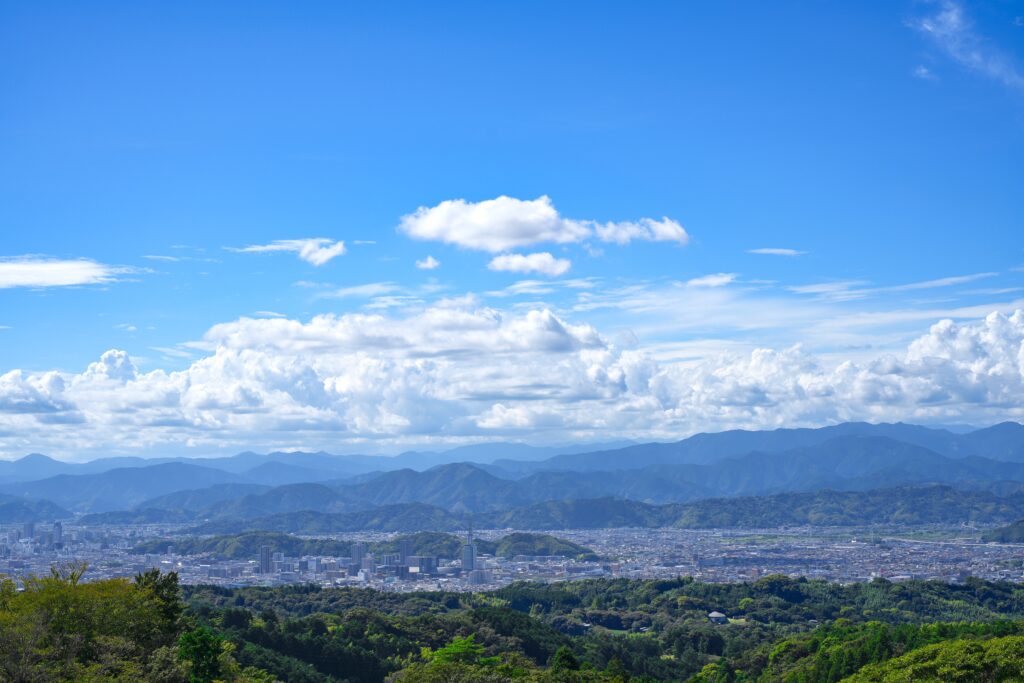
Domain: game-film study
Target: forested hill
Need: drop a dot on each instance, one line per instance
(1012, 533)
(903, 505)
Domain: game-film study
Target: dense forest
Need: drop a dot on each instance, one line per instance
(63, 628)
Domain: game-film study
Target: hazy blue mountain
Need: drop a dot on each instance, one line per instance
(513, 460)
(16, 510)
(194, 500)
(288, 498)
(403, 517)
(32, 466)
(1003, 441)
(118, 489)
(460, 486)
(843, 463)
(141, 515)
(597, 513)
(279, 473)
(1000, 442)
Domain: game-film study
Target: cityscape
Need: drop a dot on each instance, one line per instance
(937, 552)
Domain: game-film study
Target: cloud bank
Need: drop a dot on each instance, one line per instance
(456, 371)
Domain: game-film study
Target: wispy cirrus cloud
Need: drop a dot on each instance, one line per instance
(315, 250)
(856, 289)
(776, 251)
(951, 30)
(366, 291)
(34, 271)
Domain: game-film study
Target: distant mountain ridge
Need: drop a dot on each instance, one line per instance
(851, 456)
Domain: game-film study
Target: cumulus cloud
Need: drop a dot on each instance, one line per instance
(505, 223)
(954, 34)
(316, 251)
(541, 262)
(461, 371)
(29, 271)
(429, 263)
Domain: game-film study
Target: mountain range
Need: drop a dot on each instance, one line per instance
(847, 457)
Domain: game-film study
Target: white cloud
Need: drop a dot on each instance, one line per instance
(504, 223)
(646, 229)
(429, 263)
(161, 257)
(952, 31)
(541, 262)
(776, 251)
(316, 251)
(368, 290)
(459, 371)
(714, 280)
(848, 290)
(30, 271)
(939, 282)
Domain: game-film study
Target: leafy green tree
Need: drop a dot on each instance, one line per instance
(564, 660)
(201, 649)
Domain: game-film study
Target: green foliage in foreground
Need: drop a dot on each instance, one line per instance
(783, 629)
(998, 659)
(60, 628)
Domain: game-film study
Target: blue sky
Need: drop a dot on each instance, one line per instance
(145, 147)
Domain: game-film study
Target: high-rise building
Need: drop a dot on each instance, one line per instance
(28, 530)
(404, 550)
(58, 533)
(469, 552)
(266, 565)
(358, 553)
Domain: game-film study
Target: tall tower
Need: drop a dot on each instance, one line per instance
(266, 565)
(469, 551)
(58, 533)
